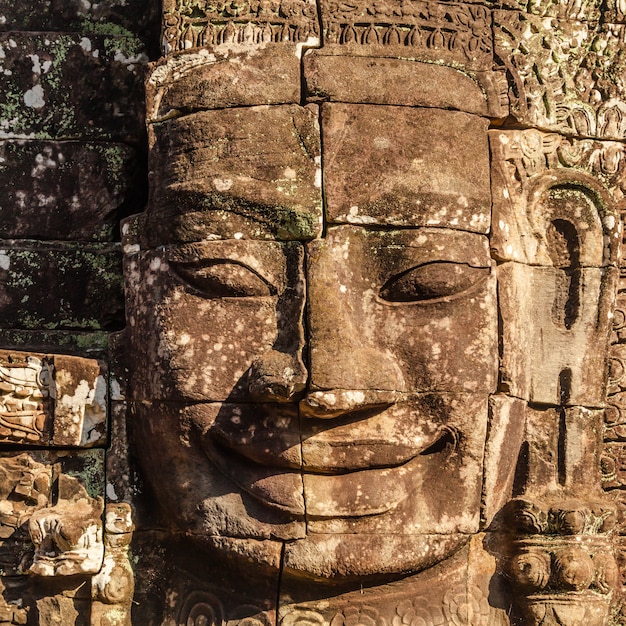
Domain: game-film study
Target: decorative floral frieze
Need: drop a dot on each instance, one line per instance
(442, 32)
(192, 23)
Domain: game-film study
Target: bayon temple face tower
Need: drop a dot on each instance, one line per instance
(312, 313)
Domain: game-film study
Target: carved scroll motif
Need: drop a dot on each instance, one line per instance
(188, 24)
(564, 76)
(24, 399)
(51, 400)
(68, 535)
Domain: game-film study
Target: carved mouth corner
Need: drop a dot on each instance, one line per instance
(447, 441)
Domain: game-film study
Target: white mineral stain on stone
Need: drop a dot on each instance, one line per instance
(34, 98)
(36, 69)
(222, 184)
(5, 260)
(311, 42)
(382, 143)
(318, 172)
(110, 491)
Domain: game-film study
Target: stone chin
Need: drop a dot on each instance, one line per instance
(338, 559)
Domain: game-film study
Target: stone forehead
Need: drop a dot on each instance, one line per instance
(258, 172)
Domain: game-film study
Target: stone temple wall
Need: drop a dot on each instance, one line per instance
(312, 313)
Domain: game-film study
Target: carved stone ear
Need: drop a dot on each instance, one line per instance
(277, 377)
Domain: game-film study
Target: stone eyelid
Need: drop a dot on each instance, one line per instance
(432, 281)
(223, 278)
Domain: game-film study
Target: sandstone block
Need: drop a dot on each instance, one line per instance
(339, 75)
(560, 357)
(393, 165)
(59, 286)
(63, 190)
(223, 77)
(251, 172)
(35, 100)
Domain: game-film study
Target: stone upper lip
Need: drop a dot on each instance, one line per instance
(358, 442)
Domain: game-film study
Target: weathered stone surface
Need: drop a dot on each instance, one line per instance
(614, 12)
(563, 449)
(60, 286)
(223, 77)
(564, 75)
(586, 11)
(36, 103)
(232, 594)
(260, 182)
(394, 165)
(327, 404)
(331, 74)
(560, 358)
(106, 17)
(387, 486)
(543, 183)
(504, 452)
(457, 593)
(381, 287)
(63, 190)
(229, 318)
(68, 535)
(51, 521)
(192, 23)
(113, 586)
(453, 34)
(52, 400)
(234, 496)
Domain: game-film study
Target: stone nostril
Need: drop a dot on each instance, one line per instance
(277, 377)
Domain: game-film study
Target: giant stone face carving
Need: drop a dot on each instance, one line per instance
(316, 391)
(368, 334)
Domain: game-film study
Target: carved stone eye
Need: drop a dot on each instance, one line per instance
(430, 281)
(223, 279)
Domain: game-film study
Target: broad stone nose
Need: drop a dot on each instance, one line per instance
(349, 378)
(348, 371)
